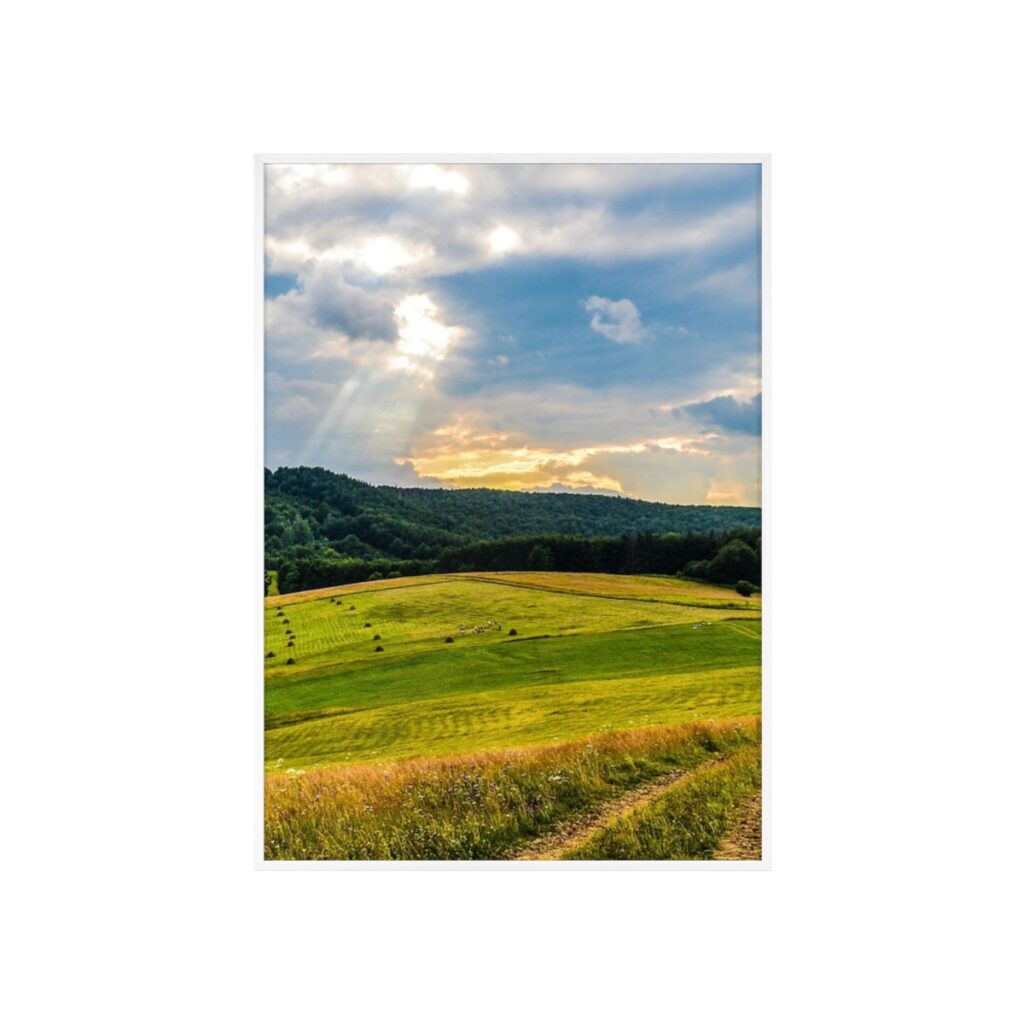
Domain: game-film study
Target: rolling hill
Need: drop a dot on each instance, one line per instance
(311, 505)
(466, 715)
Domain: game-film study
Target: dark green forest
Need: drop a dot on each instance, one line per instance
(323, 528)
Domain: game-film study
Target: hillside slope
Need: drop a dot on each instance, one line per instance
(359, 520)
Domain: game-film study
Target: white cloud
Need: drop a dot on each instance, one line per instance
(422, 338)
(383, 255)
(338, 211)
(292, 177)
(329, 301)
(503, 239)
(618, 321)
(432, 176)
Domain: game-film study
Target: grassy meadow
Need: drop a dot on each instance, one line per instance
(461, 716)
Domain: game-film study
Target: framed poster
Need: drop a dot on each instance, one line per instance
(512, 488)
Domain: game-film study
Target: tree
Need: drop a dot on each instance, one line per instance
(734, 561)
(540, 559)
(744, 588)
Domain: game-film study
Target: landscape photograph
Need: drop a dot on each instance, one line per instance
(512, 587)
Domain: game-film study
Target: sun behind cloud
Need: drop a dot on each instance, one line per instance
(422, 339)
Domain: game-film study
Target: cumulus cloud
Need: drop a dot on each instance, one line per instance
(423, 340)
(330, 301)
(727, 413)
(618, 321)
(457, 218)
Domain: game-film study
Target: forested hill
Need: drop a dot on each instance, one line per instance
(315, 508)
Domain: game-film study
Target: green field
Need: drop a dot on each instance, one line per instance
(591, 655)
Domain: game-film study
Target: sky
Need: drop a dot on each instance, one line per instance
(546, 327)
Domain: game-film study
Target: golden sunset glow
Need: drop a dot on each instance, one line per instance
(457, 456)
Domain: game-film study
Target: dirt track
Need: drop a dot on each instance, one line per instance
(743, 840)
(567, 835)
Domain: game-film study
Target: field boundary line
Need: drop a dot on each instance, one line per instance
(740, 629)
(725, 606)
(318, 593)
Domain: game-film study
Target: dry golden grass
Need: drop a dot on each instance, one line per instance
(478, 805)
(299, 596)
(651, 588)
(665, 588)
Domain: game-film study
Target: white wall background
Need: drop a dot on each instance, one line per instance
(128, 381)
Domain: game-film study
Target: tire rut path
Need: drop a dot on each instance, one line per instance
(743, 840)
(567, 835)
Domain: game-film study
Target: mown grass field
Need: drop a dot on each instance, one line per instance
(592, 656)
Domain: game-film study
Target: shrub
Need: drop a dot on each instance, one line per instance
(288, 632)
(734, 561)
(351, 607)
(376, 636)
(449, 639)
(290, 661)
(270, 654)
(373, 577)
(744, 588)
(286, 622)
(367, 625)
(291, 643)
(394, 575)
(513, 632)
(698, 569)
(279, 613)
(377, 650)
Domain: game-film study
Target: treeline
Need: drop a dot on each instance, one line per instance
(325, 529)
(317, 512)
(721, 557)
(726, 557)
(313, 571)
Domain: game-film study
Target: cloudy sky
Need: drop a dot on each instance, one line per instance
(586, 327)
